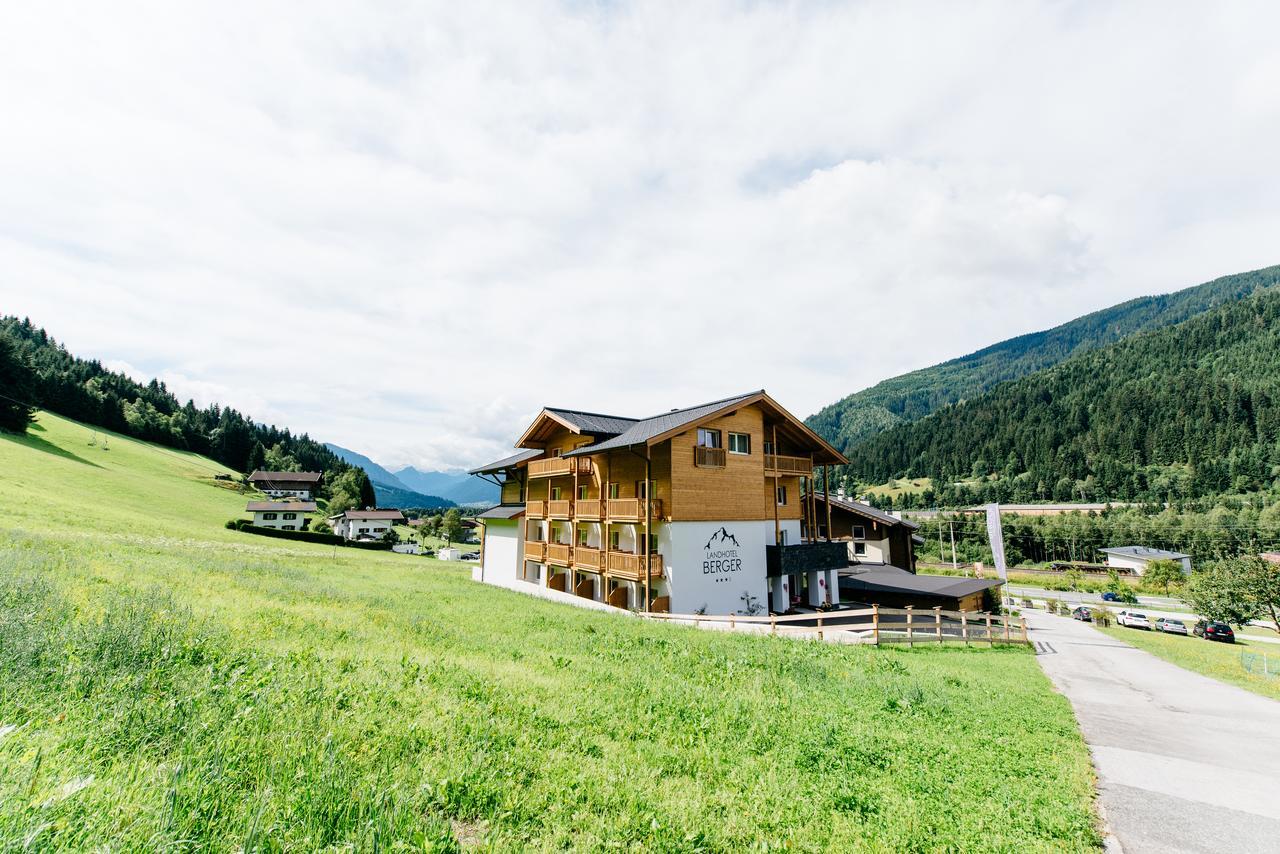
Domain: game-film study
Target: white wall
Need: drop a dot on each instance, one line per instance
(711, 574)
(304, 494)
(1139, 565)
(279, 522)
(503, 551)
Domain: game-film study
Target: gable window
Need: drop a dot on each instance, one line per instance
(739, 443)
(782, 496)
(859, 532)
(708, 438)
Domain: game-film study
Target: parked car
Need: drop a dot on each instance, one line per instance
(1214, 630)
(1133, 620)
(471, 556)
(1082, 614)
(1110, 597)
(1171, 626)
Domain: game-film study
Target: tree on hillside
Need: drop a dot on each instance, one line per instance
(277, 458)
(1164, 574)
(16, 382)
(257, 458)
(451, 525)
(344, 492)
(1221, 592)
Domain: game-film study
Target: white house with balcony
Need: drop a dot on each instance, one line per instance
(1135, 560)
(365, 524)
(283, 515)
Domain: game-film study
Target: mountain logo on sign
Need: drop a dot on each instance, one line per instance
(721, 536)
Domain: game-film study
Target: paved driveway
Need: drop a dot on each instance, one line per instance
(1185, 763)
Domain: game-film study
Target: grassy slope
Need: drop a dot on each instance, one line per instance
(226, 691)
(1220, 661)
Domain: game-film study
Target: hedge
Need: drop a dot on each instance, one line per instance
(247, 527)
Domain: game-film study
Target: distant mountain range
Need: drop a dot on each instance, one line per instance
(912, 396)
(409, 487)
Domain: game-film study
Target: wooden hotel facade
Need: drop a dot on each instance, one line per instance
(702, 509)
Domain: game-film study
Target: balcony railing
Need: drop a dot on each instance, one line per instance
(557, 466)
(708, 458)
(558, 553)
(805, 557)
(535, 509)
(631, 566)
(589, 509)
(787, 466)
(557, 509)
(586, 557)
(535, 551)
(632, 509)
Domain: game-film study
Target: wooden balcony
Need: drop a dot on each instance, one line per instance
(535, 551)
(559, 466)
(632, 509)
(777, 464)
(557, 510)
(535, 509)
(708, 458)
(631, 567)
(558, 553)
(589, 509)
(585, 557)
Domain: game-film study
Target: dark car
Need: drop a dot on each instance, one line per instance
(1214, 630)
(1082, 614)
(1110, 597)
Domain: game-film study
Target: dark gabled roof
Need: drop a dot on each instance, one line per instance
(272, 506)
(593, 422)
(286, 476)
(508, 462)
(890, 579)
(1143, 553)
(502, 511)
(868, 511)
(393, 515)
(645, 429)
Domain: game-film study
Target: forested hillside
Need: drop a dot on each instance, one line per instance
(1186, 411)
(912, 396)
(39, 371)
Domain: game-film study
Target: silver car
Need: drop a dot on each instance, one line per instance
(1171, 626)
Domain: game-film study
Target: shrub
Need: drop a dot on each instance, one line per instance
(245, 527)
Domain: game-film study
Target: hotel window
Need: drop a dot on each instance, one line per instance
(653, 544)
(582, 493)
(555, 493)
(739, 443)
(291, 515)
(860, 548)
(555, 452)
(768, 447)
(613, 490)
(708, 438)
(782, 496)
(582, 536)
(640, 489)
(615, 540)
(859, 532)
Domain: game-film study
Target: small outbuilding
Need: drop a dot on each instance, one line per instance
(283, 515)
(892, 587)
(1134, 560)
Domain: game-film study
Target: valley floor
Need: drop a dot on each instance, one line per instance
(165, 683)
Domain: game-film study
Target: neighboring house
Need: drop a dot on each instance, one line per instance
(285, 515)
(287, 484)
(1136, 559)
(693, 510)
(365, 524)
(873, 536)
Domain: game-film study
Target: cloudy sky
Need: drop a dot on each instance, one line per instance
(403, 227)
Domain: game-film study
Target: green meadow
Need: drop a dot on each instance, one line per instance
(167, 684)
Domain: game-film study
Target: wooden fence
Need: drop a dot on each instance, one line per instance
(874, 625)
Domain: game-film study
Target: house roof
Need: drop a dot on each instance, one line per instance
(868, 511)
(502, 511)
(890, 579)
(1143, 553)
(657, 428)
(370, 515)
(287, 476)
(508, 462)
(272, 506)
(593, 422)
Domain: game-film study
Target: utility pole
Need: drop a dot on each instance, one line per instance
(954, 564)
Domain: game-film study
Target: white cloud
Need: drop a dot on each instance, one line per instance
(403, 227)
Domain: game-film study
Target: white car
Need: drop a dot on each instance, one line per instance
(1133, 620)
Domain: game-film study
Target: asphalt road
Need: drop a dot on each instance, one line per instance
(1185, 763)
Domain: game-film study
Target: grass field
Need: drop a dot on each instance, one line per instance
(168, 684)
(1221, 661)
